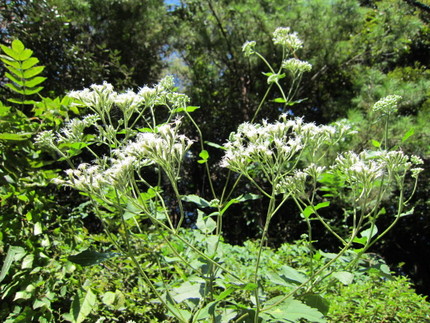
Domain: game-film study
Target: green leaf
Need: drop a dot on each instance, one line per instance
(29, 63)
(204, 155)
(212, 144)
(188, 109)
(33, 72)
(310, 209)
(239, 199)
(287, 276)
(15, 136)
(188, 290)
(34, 81)
(293, 310)
(196, 199)
(344, 277)
(279, 100)
(83, 305)
(89, 257)
(375, 143)
(14, 79)
(408, 134)
(205, 223)
(14, 253)
(318, 302)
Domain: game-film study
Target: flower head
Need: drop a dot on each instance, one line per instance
(248, 48)
(283, 36)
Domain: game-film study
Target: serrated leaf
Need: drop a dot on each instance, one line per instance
(89, 257)
(82, 306)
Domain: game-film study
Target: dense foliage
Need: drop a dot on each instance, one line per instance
(51, 245)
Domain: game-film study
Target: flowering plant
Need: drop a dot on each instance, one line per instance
(286, 159)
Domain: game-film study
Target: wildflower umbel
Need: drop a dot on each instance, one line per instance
(283, 36)
(387, 105)
(272, 150)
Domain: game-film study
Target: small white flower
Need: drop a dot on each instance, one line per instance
(248, 48)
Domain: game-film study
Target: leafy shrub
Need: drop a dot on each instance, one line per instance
(378, 300)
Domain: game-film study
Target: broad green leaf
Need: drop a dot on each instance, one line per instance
(108, 298)
(205, 223)
(293, 310)
(89, 257)
(287, 276)
(27, 262)
(344, 277)
(410, 132)
(83, 305)
(370, 233)
(188, 290)
(197, 200)
(318, 302)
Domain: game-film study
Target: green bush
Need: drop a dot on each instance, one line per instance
(377, 300)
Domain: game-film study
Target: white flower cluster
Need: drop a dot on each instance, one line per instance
(296, 66)
(101, 98)
(165, 148)
(387, 105)
(371, 173)
(283, 36)
(273, 149)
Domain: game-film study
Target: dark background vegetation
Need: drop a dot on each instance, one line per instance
(361, 51)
